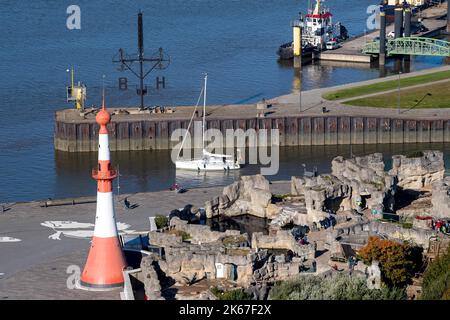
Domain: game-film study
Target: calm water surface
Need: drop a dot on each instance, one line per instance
(234, 41)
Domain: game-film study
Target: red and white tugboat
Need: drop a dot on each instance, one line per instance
(317, 30)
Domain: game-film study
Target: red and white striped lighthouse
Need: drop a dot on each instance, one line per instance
(106, 260)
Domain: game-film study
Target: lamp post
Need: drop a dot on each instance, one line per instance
(398, 97)
(300, 90)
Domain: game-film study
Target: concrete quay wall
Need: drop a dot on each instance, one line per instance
(73, 136)
(346, 57)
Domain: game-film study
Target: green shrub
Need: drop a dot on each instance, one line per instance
(237, 251)
(339, 287)
(161, 221)
(436, 279)
(216, 291)
(179, 233)
(233, 239)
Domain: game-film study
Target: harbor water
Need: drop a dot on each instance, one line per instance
(234, 41)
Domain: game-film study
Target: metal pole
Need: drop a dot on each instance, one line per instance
(407, 22)
(398, 27)
(204, 112)
(398, 98)
(300, 90)
(118, 182)
(72, 76)
(141, 58)
(382, 56)
(448, 16)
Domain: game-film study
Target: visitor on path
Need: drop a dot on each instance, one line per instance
(126, 203)
(305, 239)
(438, 226)
(351, 263)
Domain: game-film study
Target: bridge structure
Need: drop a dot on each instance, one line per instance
(418, 46)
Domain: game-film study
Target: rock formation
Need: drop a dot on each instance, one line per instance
(351, 179)
(419, 171)
(367, 180)
(440, 199)
(251, 195)
(374, 276)
(320, 193)
(283, 239)
(151, 281)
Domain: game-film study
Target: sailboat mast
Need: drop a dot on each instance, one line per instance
(204, 111)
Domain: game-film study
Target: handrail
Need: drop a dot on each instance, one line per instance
(411, 46)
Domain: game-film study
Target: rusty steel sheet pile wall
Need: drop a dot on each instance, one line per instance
(82, 136)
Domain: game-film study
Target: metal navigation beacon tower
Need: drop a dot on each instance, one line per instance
(159, 60)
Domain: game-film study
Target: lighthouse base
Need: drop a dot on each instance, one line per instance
(105, 264)
(96, 287)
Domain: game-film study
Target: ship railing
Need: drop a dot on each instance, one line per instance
(297, 23)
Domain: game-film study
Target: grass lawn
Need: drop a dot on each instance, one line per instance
(440, 98)
(386, 85)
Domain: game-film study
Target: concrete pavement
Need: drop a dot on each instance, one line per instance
(36, 266)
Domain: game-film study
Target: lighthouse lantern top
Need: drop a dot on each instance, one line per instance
(103, 117)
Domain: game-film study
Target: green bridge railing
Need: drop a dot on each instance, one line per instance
(410, 46)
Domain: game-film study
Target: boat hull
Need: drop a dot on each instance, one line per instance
(202, 165)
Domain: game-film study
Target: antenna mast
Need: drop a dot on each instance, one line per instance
(204, 111)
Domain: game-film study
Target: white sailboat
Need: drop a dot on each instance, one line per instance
(208, 161)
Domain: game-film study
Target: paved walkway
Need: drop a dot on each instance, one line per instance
(48, 281)
(286, 105)
(312, 102)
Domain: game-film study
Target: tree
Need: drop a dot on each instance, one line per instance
(436, 279)
(398, 262)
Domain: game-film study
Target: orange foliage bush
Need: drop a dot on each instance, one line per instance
(398, 262)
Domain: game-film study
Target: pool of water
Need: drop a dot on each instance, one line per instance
(244, 224)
